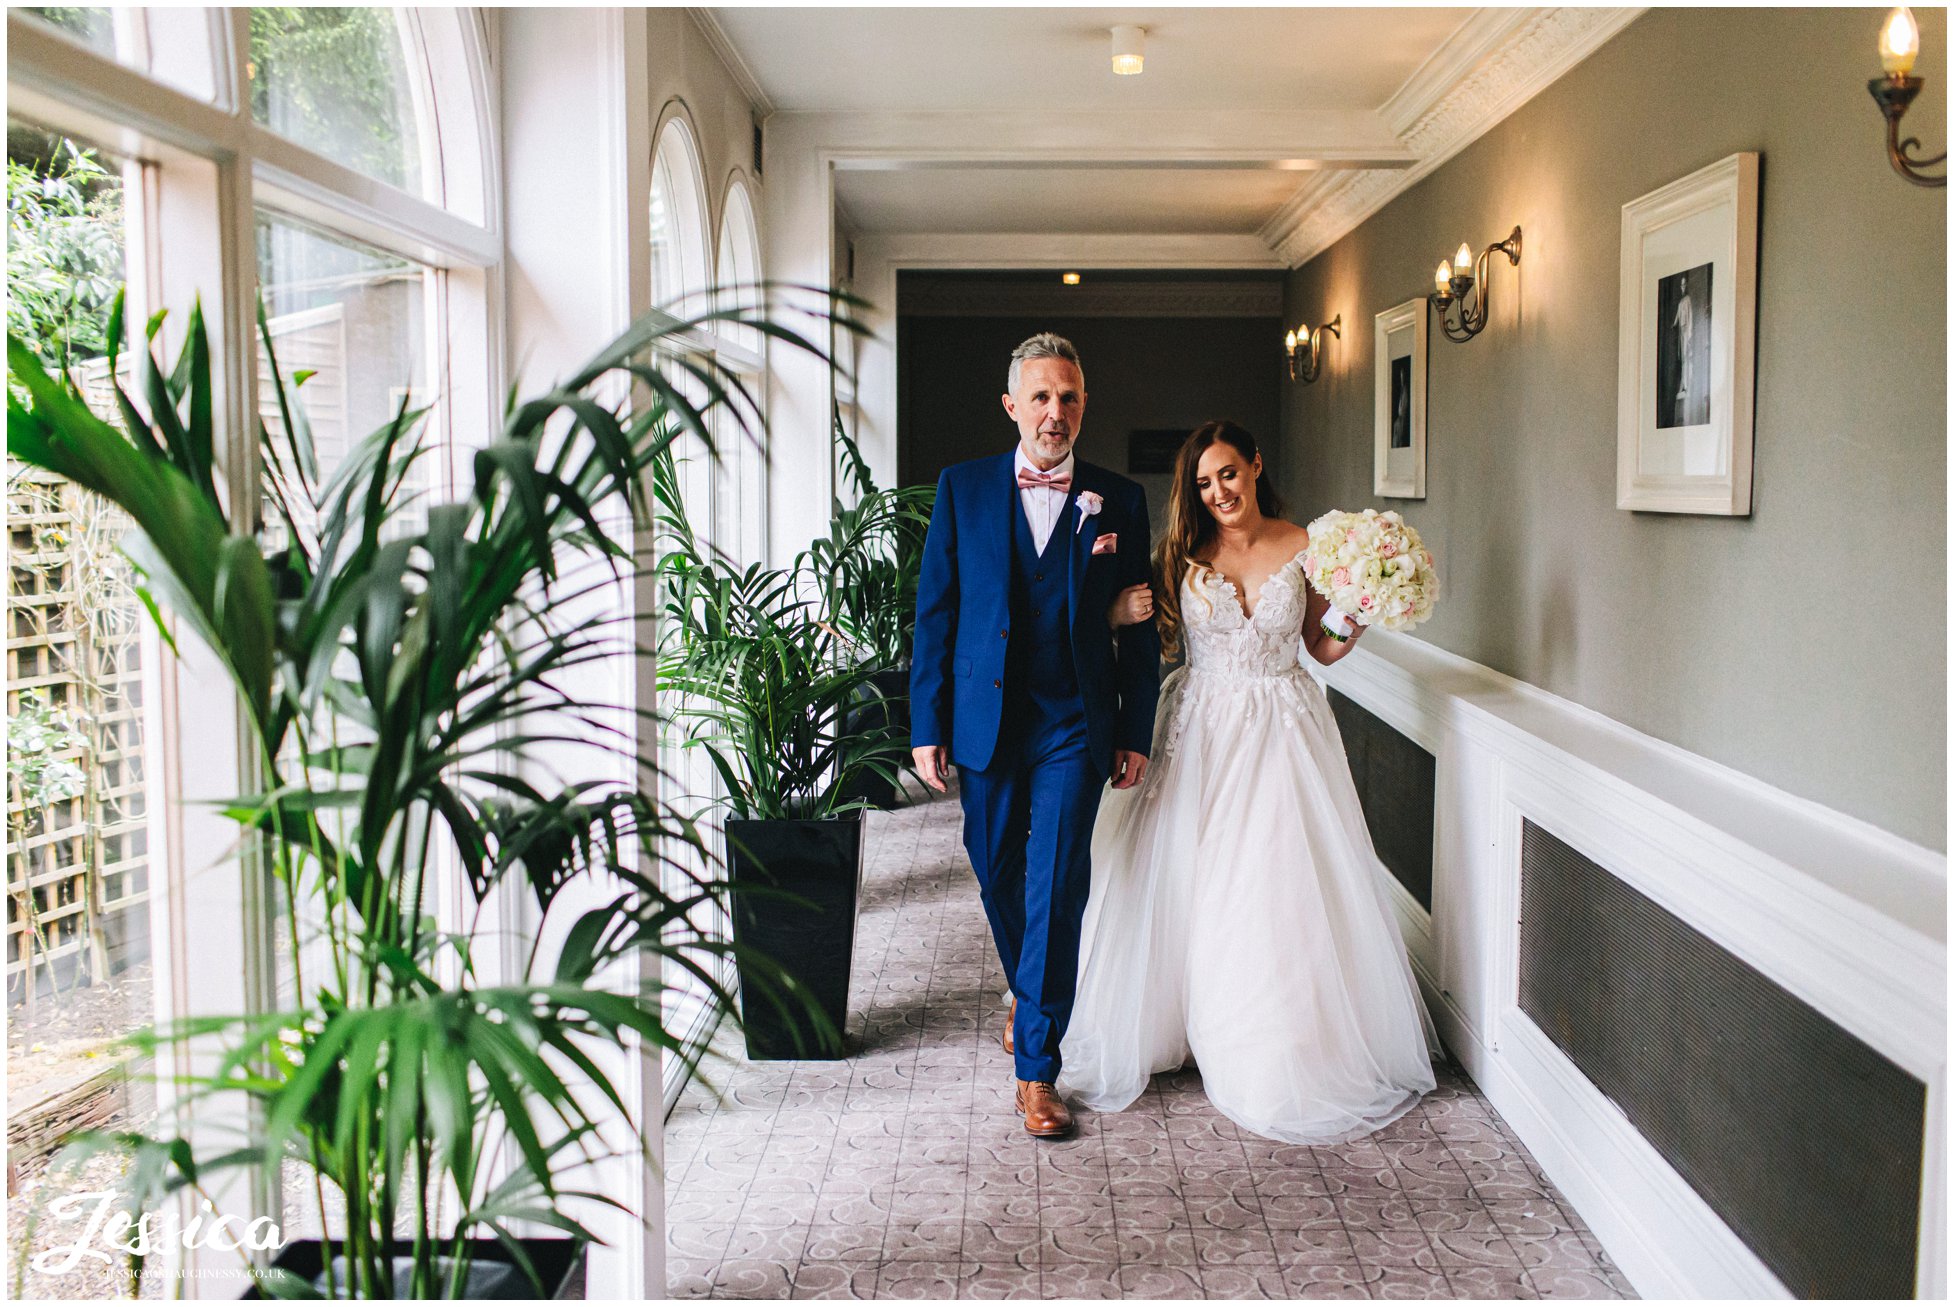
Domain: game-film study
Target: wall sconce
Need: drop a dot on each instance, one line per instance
(1457, 279)
(1899, 45)
(1306, 350)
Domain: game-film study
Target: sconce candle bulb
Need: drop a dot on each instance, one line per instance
(1444, 277)
(1463, 259)
(1899, 42)
(1899, 46)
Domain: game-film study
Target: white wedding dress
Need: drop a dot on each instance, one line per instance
(1239, 916)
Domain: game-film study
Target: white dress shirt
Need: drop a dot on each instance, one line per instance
(1042, 506)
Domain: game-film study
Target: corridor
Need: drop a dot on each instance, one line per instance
(903, 1172)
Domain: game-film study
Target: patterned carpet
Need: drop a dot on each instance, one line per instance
(903, 1172)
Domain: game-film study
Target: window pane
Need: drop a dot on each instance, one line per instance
(91, 25)
(667, 276)
(336, 81)
(170, 44)
(353, 317)
(79, 842)
(356, 320)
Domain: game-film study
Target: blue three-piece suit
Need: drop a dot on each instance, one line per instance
(1017, 672)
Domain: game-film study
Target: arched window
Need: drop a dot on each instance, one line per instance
(363, 138)
(681, 259)
(741, 489)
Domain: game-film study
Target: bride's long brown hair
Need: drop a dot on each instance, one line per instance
(1190, 526)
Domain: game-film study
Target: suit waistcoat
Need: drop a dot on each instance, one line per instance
(1039, 658)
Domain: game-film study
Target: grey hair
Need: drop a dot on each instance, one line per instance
(1045, 345)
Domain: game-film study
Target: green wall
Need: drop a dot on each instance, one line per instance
(1805, 644)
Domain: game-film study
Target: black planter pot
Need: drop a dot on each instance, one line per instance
(894, 685)
(492, 1274)
(814, 942)
(891, 710)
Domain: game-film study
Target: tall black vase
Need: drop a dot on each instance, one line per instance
(890, 710)
(813, 941)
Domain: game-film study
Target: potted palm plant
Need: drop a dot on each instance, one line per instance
(393, 663)
(865, 571)
(764, 684)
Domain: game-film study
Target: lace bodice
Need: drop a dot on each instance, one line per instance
(1239, 664)
(1223, 638)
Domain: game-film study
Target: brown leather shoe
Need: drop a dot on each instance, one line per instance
(1011, 1024)
(1045, 1113)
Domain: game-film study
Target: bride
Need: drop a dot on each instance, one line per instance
(1239, 917)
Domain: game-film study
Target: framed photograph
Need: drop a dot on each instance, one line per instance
(1398, 464)
(1151, 450)
(1688, 341)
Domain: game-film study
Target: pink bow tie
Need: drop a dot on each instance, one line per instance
(1030, 480)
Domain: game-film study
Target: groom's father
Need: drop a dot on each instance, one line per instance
(1017, 680)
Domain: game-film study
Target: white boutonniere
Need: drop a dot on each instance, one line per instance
(1089, 506)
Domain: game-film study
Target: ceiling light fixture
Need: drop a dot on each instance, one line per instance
(1070, 278)
(1129, 50)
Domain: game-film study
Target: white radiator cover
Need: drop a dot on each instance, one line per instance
(1849, 918)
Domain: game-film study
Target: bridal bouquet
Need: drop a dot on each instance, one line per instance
(1373, 569)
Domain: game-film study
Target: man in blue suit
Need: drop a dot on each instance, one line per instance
(1019, 681)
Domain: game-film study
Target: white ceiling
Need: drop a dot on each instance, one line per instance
(1286, 125)
(1086, 200)
(929, 59)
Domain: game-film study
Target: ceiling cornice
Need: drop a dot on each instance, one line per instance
(736, 68)
(1494, 63)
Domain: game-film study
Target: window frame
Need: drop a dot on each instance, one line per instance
(205, 168)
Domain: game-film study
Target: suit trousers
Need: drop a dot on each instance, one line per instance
(1027, 825)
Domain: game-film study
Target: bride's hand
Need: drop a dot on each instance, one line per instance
(1131, 605)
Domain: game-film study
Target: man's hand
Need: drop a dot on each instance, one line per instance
(1129, 768)
(933, 764)
(1130, 606)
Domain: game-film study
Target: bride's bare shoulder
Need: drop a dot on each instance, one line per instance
(1294, 539)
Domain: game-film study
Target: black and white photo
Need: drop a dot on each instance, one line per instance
(1401, 402)
(1682, 395)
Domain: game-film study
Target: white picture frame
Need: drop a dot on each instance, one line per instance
(1686, 403)
(1400, 336)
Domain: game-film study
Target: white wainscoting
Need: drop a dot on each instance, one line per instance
(1849, 918)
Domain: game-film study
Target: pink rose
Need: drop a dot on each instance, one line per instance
(1340, 577)
(1367, 602)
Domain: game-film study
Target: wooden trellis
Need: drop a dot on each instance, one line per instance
(78, 869)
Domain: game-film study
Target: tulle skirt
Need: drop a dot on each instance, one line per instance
(1240, 918)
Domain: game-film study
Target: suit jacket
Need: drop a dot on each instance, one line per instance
(963, 613)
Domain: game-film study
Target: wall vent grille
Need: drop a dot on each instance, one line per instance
(1397, 783)
(1806, 1141)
